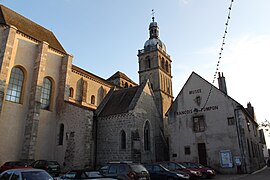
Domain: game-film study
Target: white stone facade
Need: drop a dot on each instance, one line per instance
(218, 123)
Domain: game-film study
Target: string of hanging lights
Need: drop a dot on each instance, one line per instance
(223, 40)
(221, 50)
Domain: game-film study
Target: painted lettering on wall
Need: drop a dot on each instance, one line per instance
(195, 91)
(190, 111)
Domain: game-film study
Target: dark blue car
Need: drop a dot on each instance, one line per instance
(159, 172)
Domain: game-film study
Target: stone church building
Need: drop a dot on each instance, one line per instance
(52, 109)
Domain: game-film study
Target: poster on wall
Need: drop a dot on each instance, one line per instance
(226, 159)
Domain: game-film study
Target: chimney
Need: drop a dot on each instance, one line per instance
(222, 83)
(250, 110)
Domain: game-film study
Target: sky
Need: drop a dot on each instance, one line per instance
(104, 37)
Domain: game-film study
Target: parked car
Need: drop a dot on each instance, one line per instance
(159, 172)
(13, 165)
(174, 166)
(25, 174)
(52, 167)
(206, 171)
(84, 174)
(125, 171)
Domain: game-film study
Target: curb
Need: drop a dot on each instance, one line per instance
(255, 172)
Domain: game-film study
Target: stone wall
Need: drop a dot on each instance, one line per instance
(37, 60)
(83, 92)
(133, 123)
(77, 150)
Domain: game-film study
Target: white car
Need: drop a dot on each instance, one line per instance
(25, 174)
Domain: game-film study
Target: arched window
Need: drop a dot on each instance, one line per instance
(15, 86)
(147, 62)
(71, 92)
(168, 86)
(162, 63)
(147, 136)
(79, 90)
(61, 134)
(46, 93)
(126, 85)
(92, 99)
(167, 66)
(123, 140)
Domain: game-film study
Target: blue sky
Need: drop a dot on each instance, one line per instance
(104, 36)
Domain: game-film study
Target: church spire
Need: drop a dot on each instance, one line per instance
(153, 27)
(155, 66)
(154, 40)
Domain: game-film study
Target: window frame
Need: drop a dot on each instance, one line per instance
(123, 140)
(147, 62)
(200, 125)
(93, 100)
(61, 134)
(71, 92)
(46, 96)
(231, 121)
(187, 150)
(11, 91)
(147, 138)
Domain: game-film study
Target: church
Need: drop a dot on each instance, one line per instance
(52, 109)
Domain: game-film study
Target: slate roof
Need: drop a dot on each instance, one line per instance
(28, 27)
(120, 101)
(119, 74)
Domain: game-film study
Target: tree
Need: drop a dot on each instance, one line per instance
(265, 125)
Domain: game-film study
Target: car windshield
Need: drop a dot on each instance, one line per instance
(36, 175)
(70, 175)
(137, 167)
(104, 169)
(93, 174)
(164, 167)
(194, 165)
(180, 166)
(52, 163)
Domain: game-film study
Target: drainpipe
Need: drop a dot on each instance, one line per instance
(240, 139)
(95, 140)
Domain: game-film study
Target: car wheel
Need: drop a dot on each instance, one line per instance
(204, 176)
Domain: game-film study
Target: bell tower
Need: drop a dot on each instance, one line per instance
(155, 65)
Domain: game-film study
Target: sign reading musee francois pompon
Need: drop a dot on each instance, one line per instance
(190, 111)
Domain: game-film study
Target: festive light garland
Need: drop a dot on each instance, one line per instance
(221, 50)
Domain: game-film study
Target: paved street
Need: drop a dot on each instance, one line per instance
(260, 175)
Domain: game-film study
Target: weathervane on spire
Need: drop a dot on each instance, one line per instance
(153, 15)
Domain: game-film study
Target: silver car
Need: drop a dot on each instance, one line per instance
(25, 174)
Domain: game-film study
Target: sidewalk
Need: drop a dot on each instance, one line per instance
(235, 176)
(229, 176)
